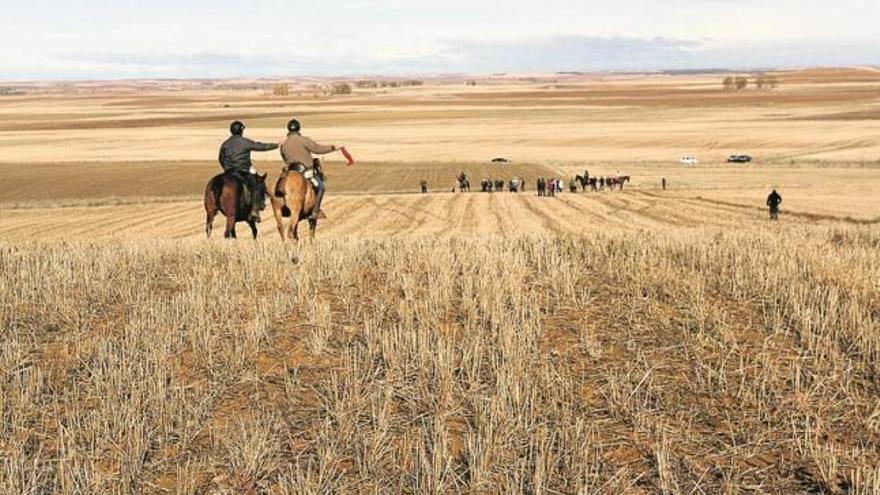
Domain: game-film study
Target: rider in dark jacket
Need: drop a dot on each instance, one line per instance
(773, 201)
(235, 158)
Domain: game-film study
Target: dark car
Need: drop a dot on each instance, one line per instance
(739, 159)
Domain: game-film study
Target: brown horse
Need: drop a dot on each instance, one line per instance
(224, 194)
(618, 182)
(293, 197)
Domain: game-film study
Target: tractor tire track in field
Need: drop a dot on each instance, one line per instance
(441, 214)
(650, 211)
(741, 209)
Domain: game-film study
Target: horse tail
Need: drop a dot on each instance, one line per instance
(279, 188)
(213, 190)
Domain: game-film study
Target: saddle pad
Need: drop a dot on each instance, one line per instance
(310, 176)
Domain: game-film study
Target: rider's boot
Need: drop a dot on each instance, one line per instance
(319, 196)
(251, 181)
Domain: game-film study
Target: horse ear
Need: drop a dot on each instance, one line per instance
(263, 177)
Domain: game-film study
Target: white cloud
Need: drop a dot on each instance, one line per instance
(168, 38)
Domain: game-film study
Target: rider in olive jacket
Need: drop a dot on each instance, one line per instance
(297, 151)
(235, 158)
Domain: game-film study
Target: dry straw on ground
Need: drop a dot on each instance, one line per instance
(684, 361)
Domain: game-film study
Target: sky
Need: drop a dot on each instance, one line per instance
(121, 39)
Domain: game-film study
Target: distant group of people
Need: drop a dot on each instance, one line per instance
(463, 184)
(551, 186)
(490, 185)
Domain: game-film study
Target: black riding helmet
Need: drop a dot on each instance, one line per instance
(236, 128)
(293, 125)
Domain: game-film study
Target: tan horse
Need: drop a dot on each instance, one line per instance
(294, 197)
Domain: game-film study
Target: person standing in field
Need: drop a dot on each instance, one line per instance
(296, 151)
(424, 186)
(235, 158)
(663, 183)
(773, 202)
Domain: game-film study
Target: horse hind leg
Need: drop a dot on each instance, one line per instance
(313, 225)
(279, 219)
(253, 226)
(230, 227)
(209, 222)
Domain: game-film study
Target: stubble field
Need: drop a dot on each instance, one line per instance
(636, 341)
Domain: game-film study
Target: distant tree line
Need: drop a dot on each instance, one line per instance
(739, 83)
(11, 91)
(342, 88)
(370, 84)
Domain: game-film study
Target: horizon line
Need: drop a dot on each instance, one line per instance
(440, 75)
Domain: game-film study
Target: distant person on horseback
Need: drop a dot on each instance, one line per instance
(235, 158)
(297, 153)
(463, 183)
(773, 201)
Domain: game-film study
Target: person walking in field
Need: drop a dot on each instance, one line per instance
(773, 202)
(424, 186)
(235, 158)
(296, 151)
(663, 183)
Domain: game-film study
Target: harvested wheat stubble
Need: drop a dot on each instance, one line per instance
(692, 360)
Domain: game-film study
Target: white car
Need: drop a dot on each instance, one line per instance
(688, 160)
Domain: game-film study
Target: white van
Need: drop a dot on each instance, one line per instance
(688, 160)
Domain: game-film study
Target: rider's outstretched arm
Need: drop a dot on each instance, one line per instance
(258, 146)
(318, 149)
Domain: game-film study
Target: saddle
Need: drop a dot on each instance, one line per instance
(311, 175)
